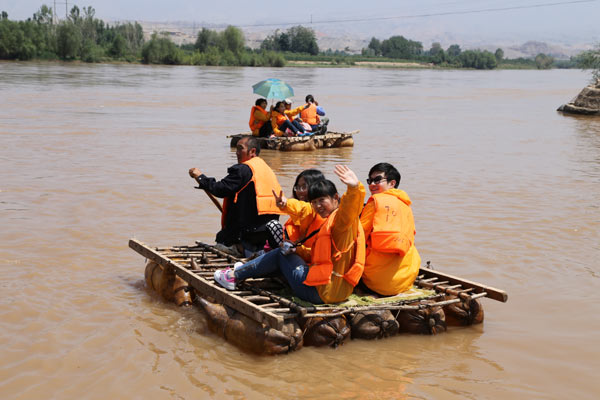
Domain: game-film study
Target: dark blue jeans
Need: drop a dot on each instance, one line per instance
(292, 266)
(298, 125)
(288, 124)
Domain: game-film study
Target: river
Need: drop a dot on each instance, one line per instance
(505, 191)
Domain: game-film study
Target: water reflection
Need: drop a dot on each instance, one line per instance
(588, 145)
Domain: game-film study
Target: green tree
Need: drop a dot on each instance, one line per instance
(4, 15)
(591, 60)
(436, 53)
(297, 39)
(453, 51)
(303, 40)
(499, 54)
(543, 61)
(43, 15)
(400, 47)
(277, 41)
(232, 39)
(477, 59)
(68, 40)
(75, 15)
(375, 45)
(118, 47)
(160, 50)
(206, 38)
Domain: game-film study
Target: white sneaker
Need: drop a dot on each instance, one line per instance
(237, 265)
(223, 279)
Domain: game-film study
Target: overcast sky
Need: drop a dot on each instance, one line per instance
(571, 18)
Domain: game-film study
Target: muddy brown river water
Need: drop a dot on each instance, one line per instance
(505, 191)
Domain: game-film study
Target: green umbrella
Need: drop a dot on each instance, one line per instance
(273, 89)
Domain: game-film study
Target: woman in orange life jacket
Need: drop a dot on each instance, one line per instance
(291, 114)
(337, 258)
(260, 119)
(280, 121)
(311, 115)
(392, 261)
(303, 220)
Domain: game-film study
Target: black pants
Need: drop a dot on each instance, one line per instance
(266, 130)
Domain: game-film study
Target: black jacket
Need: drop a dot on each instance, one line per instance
(242, 217)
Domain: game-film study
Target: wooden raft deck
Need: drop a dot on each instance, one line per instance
(257, 298)
(301, 143)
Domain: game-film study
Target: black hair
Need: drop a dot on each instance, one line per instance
(321, 188)
(389, 171)
(278, 104)
(253, 143)
(309, 98)
(310, 176)
(260, 100)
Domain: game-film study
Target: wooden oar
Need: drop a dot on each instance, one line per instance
(214, 199)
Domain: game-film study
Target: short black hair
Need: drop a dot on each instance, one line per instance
(309, 98)
(389, 171)
(260, 100)
(310, 176)
(253, 143)
(278, 104)
(321, 188)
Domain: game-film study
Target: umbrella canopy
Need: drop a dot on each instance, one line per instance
(273, 89)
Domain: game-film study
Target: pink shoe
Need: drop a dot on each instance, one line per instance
(223, 279)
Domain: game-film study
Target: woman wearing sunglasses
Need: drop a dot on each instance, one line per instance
(338, 254)
(392, 261)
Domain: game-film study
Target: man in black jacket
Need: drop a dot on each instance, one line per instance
(243, 224)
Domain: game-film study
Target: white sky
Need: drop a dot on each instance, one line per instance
(573, 19)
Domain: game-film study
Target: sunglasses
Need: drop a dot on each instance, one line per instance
(377, 180)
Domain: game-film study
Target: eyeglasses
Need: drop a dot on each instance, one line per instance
(302, 188)
(377, 180)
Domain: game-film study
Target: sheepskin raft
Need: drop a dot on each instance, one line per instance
(302, 143)
(262, 316)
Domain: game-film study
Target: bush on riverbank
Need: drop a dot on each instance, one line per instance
(79, 37)
(591, 60)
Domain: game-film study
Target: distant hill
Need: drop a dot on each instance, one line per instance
(344, 37)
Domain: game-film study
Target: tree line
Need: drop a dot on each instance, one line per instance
(83, 37)
(80, 36)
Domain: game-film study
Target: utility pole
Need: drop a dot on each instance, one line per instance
(54, 13)
(66, 9)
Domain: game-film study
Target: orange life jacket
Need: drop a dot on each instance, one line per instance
(322, 260)
(295, 233)
(254, 123)
(310, 116)
(265, 182)
(279, 118)
(393, 225)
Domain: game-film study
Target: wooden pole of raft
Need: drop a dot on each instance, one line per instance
(214, 200)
